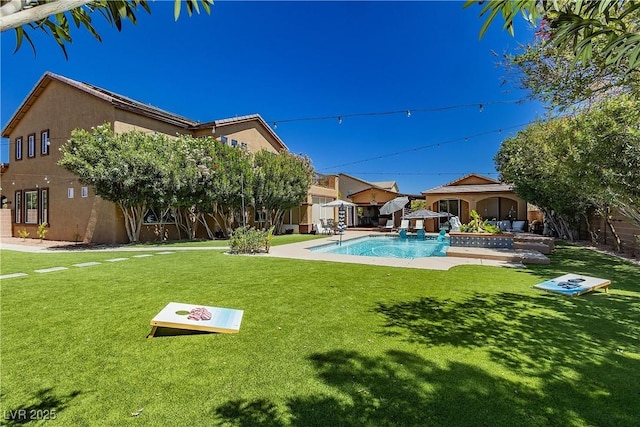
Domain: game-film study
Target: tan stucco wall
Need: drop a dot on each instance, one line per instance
(126, 121)
(250, 132)
(373, 197)
(349, 186)
(470, 202)
(60, 108)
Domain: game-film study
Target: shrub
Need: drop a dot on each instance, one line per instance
(23, 233)
(248, 240)
(42, 231)
(477, 225)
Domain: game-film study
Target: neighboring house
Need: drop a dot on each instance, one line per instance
(351, 184)
(370, 197)
(492, 199)
(387, 185)
(38, 190)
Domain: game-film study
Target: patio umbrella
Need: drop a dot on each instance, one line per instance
(393, 205)
(425, 214)
(337, 203)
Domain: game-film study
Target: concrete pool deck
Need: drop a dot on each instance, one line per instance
(455, 256)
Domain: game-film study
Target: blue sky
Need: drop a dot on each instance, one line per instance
(302, 60)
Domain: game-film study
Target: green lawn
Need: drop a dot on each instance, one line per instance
(283, 239)
(321, 344)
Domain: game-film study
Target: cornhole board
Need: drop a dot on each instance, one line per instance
(174, 315)
(574, 284)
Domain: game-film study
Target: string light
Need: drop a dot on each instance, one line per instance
(408, 112)
(436, 144)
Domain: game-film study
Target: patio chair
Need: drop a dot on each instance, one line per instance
(404, 225)
(518, 226)
(421, 234)
(402, 233)
(419, 224)
(455, 223)
(388, 226)
(320, 229)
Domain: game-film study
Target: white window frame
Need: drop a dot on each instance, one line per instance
(44, 142)
(70, 193)
(28, 199)
(44, 205)
(31, 146)
(18, 207)
(19, 148)
(84, 192)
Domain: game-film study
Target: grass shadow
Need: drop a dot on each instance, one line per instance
(402, 388)
(47, 407)
(585, 350)
(567, 258)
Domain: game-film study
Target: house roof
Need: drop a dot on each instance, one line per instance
(128, 104)
(385, 184)
(216, 124)
(489, 185)
(373, 188)
(118, 101)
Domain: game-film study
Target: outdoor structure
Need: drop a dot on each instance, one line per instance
(369, 198)
(492, 199)
(37, 190)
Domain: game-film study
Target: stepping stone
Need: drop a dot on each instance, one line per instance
(49, 270)
(12, 275)
(117, 259)
(87, 264)
(142, 256)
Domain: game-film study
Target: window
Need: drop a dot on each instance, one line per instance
(31, 207)
(234, 143)
(84, 192)
(44, 142)
(452, 206)
(18, 207)
(224, 139)
(70, 192)
(31, 145)
(19, 148)
(44, 205)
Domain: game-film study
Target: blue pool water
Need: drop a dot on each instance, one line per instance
(387, 246)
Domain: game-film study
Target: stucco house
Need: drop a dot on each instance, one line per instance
(492, 199)
(37, 190)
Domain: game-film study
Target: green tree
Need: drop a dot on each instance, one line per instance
(577, 25)
(281, 182)
(128, 169)
(53, 16)
(572, 165)
(230, 190)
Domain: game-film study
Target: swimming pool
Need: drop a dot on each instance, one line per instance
(387, 246)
